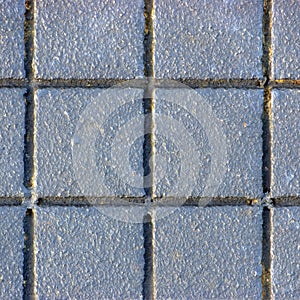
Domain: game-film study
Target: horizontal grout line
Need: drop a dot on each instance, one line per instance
(89, 201)
(286, 83)
(11, 201)
(286, 201)
(77, 83)
(158, 202)
(13, 83)
(142, 82)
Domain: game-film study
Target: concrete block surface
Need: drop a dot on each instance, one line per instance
(286, 254)
(208, 39)
(208, 142)
(12, 39)
(12, 130)
(286, 39)
(83, 254)
(11, 252)
(82, 139)
(286, 115)
(209, 253)
(89, 39)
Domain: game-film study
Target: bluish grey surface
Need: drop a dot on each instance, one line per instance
(12, 38)
(82, 137)
(209, 253)
(208, 39)
(82, 254)
(286, 254)
(286, 115)
(286, 39)
(12, 130)
(11, 252)
(210, 143)
(89, 39)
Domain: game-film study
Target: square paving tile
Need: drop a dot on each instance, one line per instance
(12, 130)
(12, 39)
(286, 153)
(208, 39)
(89, 39)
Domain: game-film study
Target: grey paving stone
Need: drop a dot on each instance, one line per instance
(208, 142)
(84, 254)
(286, 255)
(286, 114)
(12, 39)
(286, 39)
(12, 130)
(208, 39)
(209, 253)
(89, 39)
(86, 142)
(11, 252)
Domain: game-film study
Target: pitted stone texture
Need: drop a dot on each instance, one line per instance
(12, 39)
(286, 255)
(208, 39)
(209, 253)
(286, 39)
(228, 165)
(12, 130)
(286, 115)
(83, 254)
(89, 39)
(62, 169)
(11, 249)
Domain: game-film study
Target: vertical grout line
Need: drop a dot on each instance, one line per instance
(149, 291)
(29, 277)
(267, 66)
(30, 115)
(267, 253)
(149, 101)
(29, 264)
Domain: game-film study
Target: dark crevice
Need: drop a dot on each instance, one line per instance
(29, 256)
(29, 96)
(267, 66)
(149, 39)
(149, 282)
(148, 148)
(267, 253)
(140, 83)
(267, 141)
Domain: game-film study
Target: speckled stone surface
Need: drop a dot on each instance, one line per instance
(286, 115)
(89, 39)
(286, 254)
(83, 254)
(208, 142)
(286, 39)
(11, 249)
(208, 39)
(12, 130)
(12, 39)
(82, 139)
(209, 253)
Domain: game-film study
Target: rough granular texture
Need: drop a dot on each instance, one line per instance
(286, 114)
(12, 130)
(208, 39)
(12, 39)
(82, 253)
(286, 255)
(11, 252)
(91, 39)
(209, 253)
(286, 39)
